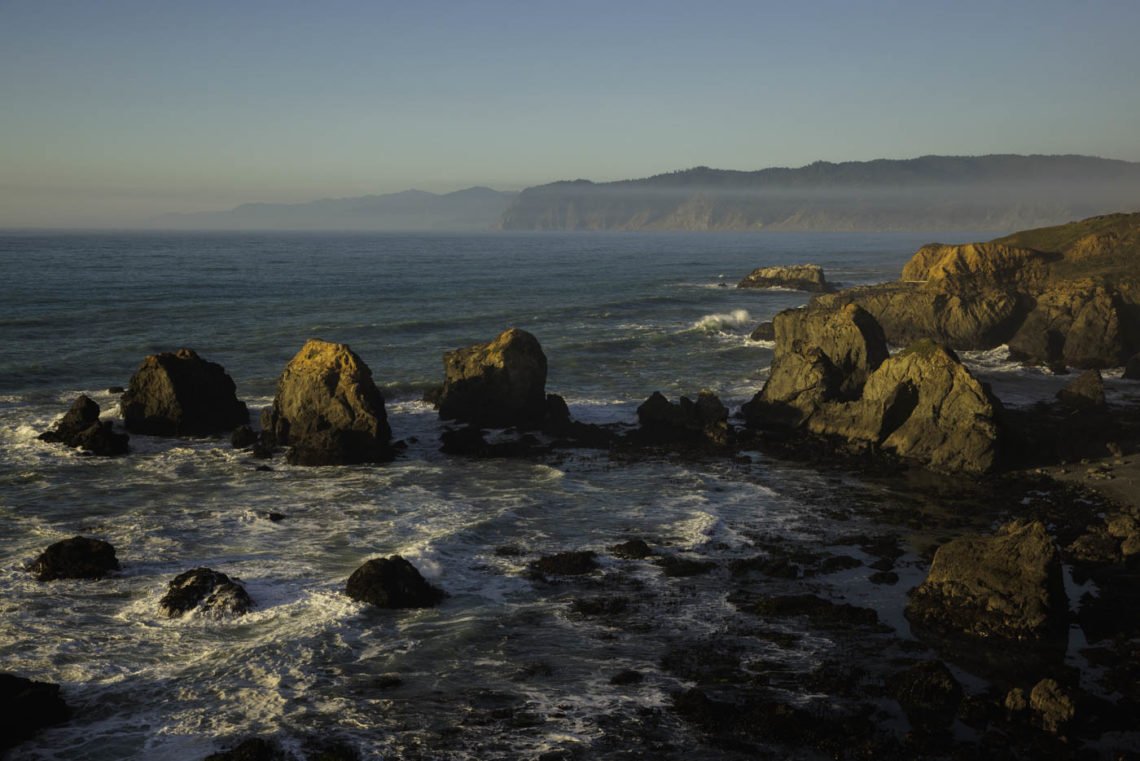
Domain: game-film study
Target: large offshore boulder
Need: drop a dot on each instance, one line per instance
(800, 277)
(218, 594)
(328, 410)
(81, 428)
(1078, 324)
(1006, 586)
(27, 706)
(392, 582)
(179, 393)
(497, 384)
(80, 557)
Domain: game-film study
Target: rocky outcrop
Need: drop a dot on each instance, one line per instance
(26, 707)
(1078, 324)
(1086, 391)
(218, 594)
(1006, 586)
(497, 384)
(179, 393)
(80, 557)
(327, 409)
(392, 582)
(800, 277)
(978, 266)
(81, 428)
(685, 422)
(765, 331)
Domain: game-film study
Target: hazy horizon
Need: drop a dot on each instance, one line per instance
(120, 111)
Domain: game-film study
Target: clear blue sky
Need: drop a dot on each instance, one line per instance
(120, 109)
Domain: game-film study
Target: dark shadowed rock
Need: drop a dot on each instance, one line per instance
(1007, 586)
(327, 409)
(218, 595)
(634, 549)
(497, 384)
(253, 749)
(1075, 324)
(800, 277)
(703, 421)
(81, 428)
(927, 692)
(26, 707)
(1132, 368)
(179, 393)
(1086, 391)
(243, 437)
(567, 563)
(1052, 706)
(77, 558)
(392, 582)
(765, 331)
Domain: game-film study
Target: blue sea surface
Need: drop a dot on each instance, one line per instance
(506, 667)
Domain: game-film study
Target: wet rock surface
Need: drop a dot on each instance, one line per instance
(81, 428)
(327, 409)
(80, 557)
(392, 582)
(181, 394)
(218, 595)
(26, 707)
(497, 384)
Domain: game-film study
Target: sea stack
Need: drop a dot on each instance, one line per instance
(497, 384)
(181, 394)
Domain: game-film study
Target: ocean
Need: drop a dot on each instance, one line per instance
(510, 666)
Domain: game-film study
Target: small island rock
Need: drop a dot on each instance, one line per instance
(392, 582)
(179, 393)
(800, 277)
(81, 428)
(497, 384)
(218, 594)
(328, 409)
(80, 557)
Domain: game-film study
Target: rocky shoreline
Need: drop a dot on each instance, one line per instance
(1009, 508)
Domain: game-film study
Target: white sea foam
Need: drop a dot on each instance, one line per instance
(734, 320)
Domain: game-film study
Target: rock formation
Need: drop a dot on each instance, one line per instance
(800, 277)
(1086, 391)
(1076, 324)
(77, 558)
(686, 422)
(81, 428)
(1007, 586)
(218, 594)
(179, 393)
(497, 384)
(26, 707)
(392, 582)
(327, 409)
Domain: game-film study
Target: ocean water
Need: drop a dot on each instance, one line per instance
(505, 668)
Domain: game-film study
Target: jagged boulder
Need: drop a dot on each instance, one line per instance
(179, 393)
(26, 707)
(1084, 392)
(392, 582)
(1077, 324)
(218, 594)
(497, 384)
(665, 422)
(328, 410)
(800, 277)
(81, 428)
(80, 557)
(1007, 586)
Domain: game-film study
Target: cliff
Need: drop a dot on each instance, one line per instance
(999, 192)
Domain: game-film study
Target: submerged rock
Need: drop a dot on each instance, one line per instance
(497, 384)
(328, 410)
(80, 557)
(567, 563)
(1007, 586)
(392, 582)
(218, 595)
(1086, 391)
(179, 393)
(81, 428)
(26, 707)
(800, 277)
(253, 749)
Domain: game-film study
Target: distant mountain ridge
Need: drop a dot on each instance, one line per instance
(476, 208)
(1004, 191)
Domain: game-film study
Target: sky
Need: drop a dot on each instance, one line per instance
(115, 111)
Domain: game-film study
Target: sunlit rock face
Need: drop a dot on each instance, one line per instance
(328, 410)
(497, 384)
(800, 277)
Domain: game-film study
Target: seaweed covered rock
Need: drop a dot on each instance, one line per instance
(26, 707)
(392, 582)
(81, 428)
(1084, 392)
(1007, 586)
(328, 410)
(800, 277)
(218, 594)
(80, 557)
(685, 422)
(497, 384)
(179, 393)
